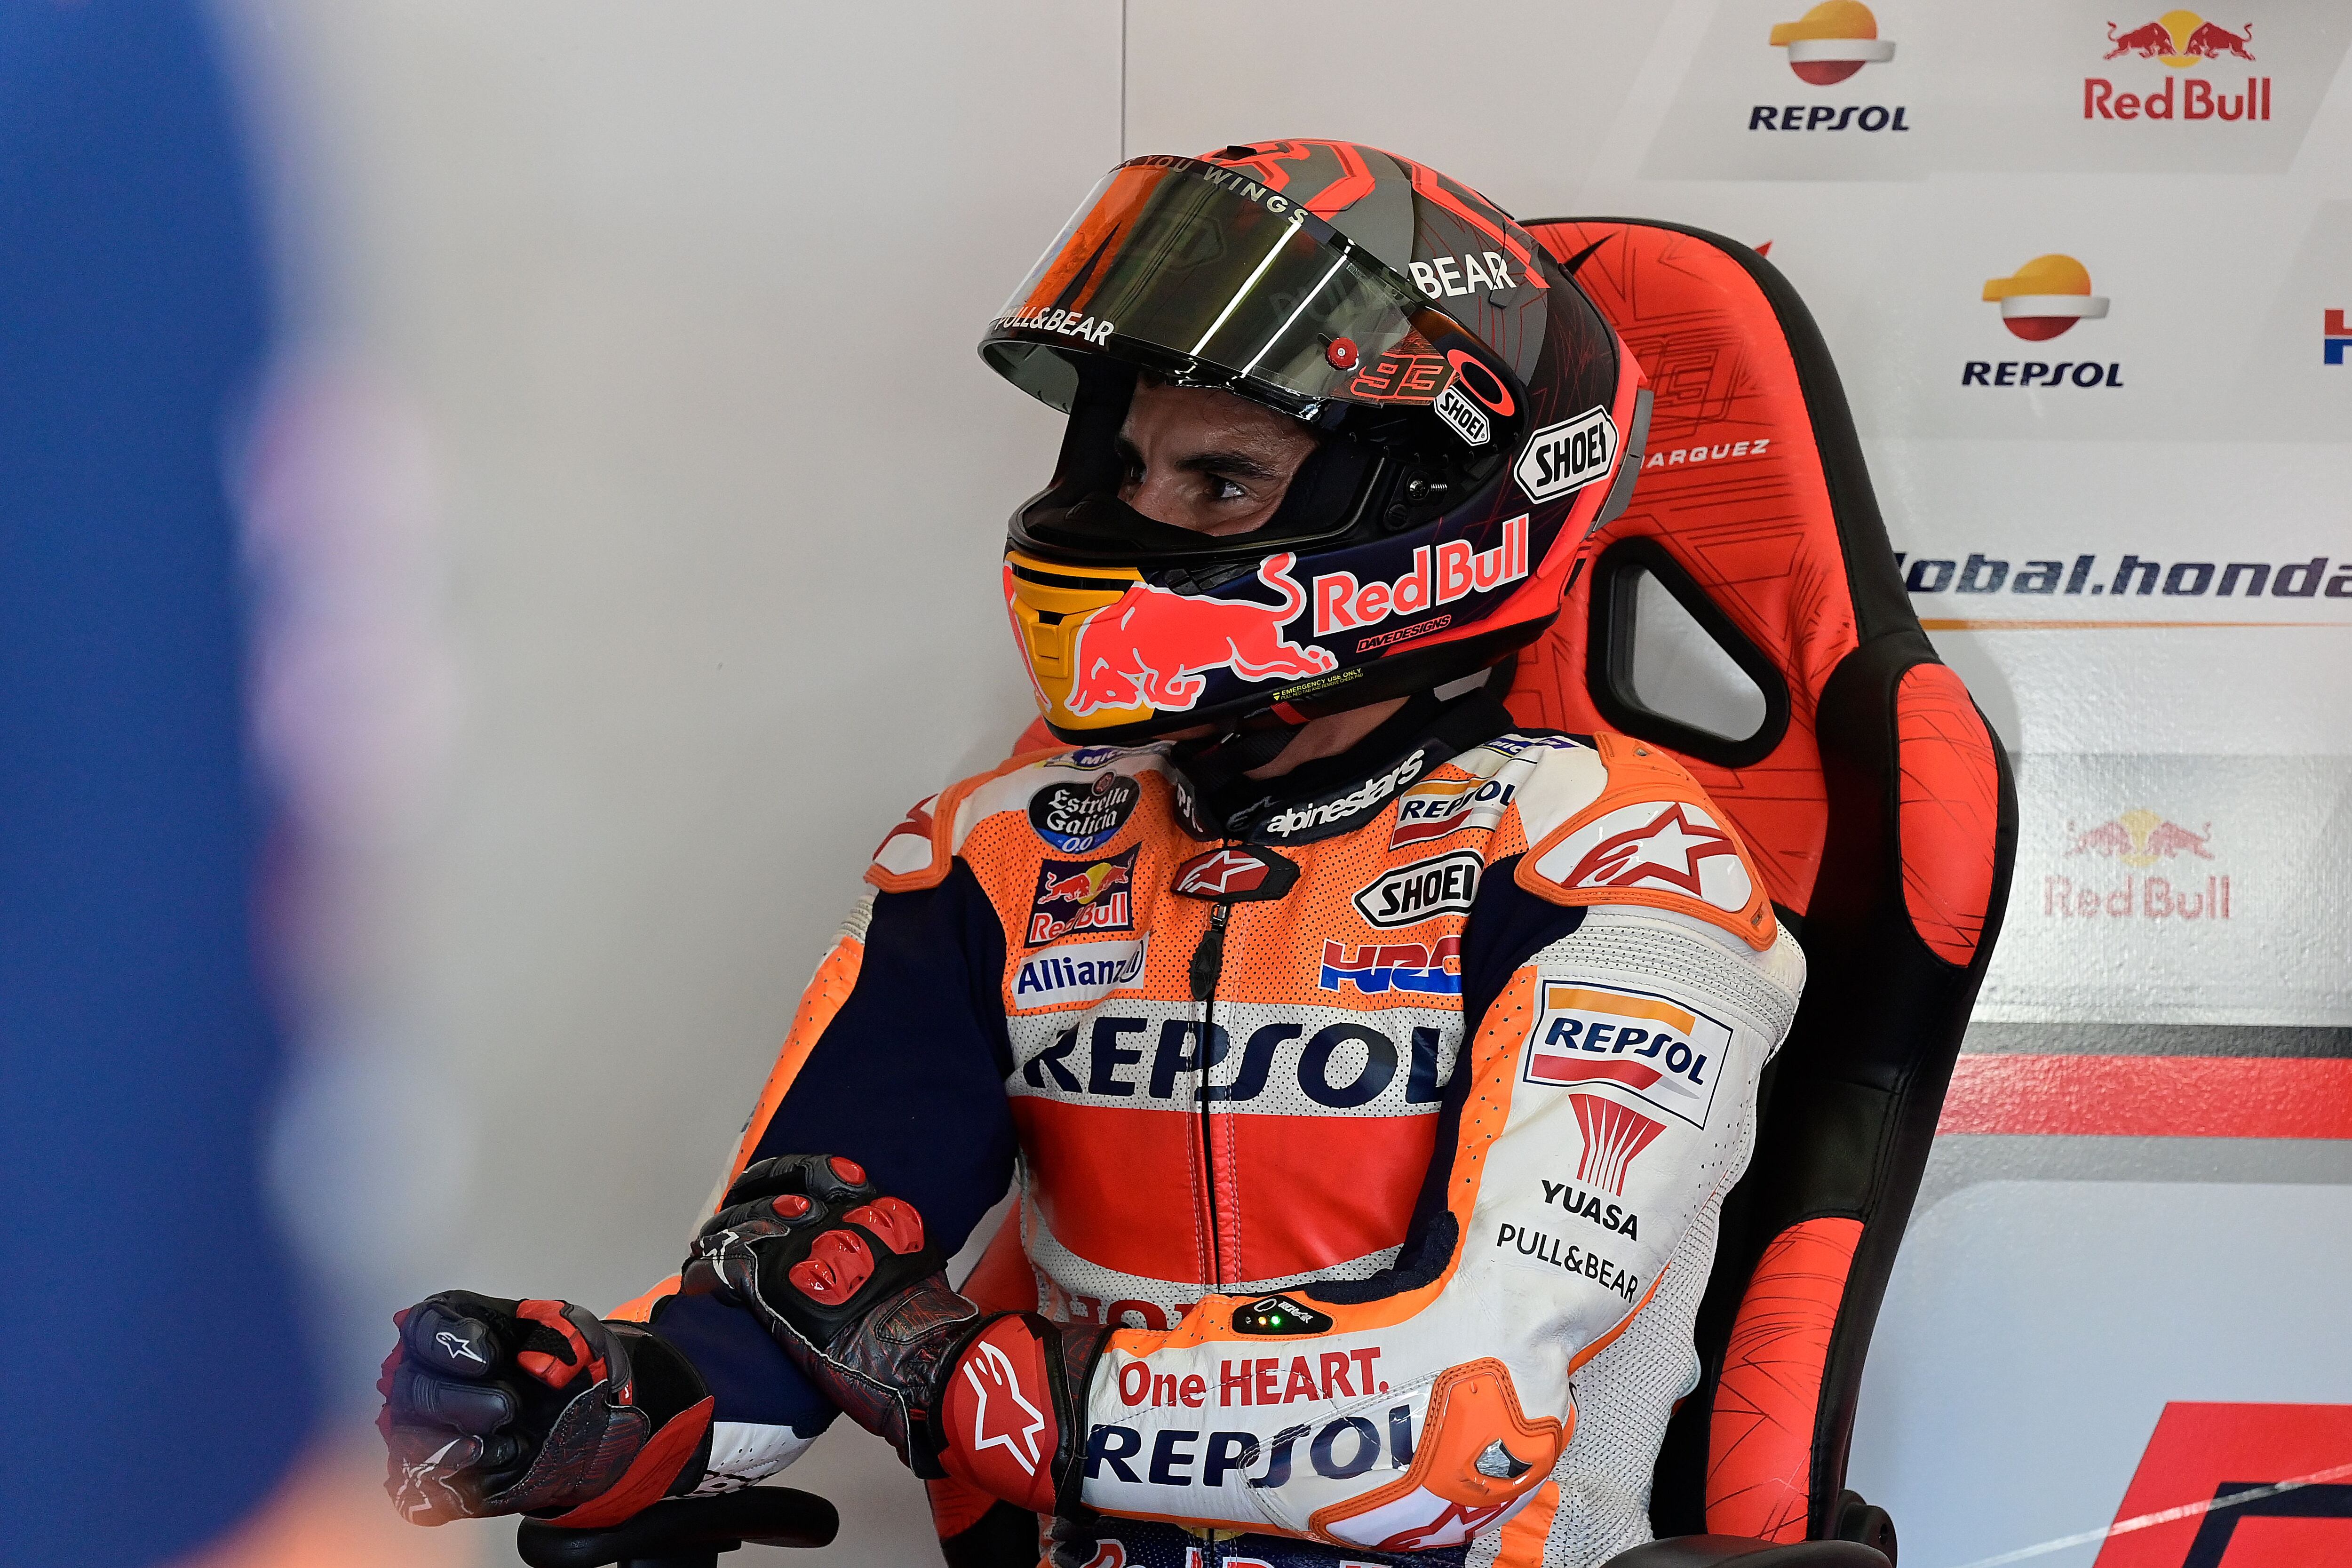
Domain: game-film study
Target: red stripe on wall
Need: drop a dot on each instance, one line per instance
(2151, 1097)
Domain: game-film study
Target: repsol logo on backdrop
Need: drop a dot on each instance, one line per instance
(1826, 117)
(1339, 1450)
(1105, 1058)
(2040, 372)
(1980, 573)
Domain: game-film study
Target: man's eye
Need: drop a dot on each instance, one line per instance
(1222, 488)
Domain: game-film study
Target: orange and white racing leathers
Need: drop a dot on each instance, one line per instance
(1388, 1106)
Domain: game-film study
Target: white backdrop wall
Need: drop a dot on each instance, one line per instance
(636, 560)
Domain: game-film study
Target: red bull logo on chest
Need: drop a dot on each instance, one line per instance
(1083, 896)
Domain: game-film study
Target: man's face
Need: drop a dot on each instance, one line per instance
(1206, 460)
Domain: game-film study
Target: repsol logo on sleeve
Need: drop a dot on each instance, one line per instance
(1422, 890)
(1340, 1065)
(1659, 1051)
(1338, 1450)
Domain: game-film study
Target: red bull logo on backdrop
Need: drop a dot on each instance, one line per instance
(1153, 648)
(2139, 839)
(2182, 41)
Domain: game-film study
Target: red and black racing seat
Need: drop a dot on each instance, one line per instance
(1745, 614)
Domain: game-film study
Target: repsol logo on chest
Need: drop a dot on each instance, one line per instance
(1339, 1450)
(1078, 817)
(1422, 890)
(1342, 1064)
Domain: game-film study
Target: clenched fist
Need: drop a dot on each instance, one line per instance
(496, 1406)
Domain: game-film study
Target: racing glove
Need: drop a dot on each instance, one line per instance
(844, 1279)
(496, 1406)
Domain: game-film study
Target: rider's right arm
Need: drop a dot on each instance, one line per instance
(897, 1058)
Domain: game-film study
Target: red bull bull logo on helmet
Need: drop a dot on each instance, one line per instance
(2182, 41)
(1153, 647)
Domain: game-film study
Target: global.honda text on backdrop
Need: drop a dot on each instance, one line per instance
(2131, 575)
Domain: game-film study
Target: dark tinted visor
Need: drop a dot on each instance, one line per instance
(1199, 272)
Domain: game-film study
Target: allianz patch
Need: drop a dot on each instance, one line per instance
(1439, 806)
(1660, 1052)
(1422, 890)
(1079, 971)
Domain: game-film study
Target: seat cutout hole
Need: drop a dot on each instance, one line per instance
(1676, 669)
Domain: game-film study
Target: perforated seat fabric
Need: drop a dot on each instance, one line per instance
(1873, 796)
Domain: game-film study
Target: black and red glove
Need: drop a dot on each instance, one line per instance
(844, 1279)
(496, 1406)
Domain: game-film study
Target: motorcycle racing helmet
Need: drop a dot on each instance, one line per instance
(1478, 420)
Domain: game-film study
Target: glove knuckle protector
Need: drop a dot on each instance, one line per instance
(496, 1406)
(847, 1283)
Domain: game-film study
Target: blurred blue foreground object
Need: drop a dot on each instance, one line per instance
(157, 1381)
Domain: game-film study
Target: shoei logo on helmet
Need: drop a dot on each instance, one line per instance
(1567, 457)
(1440, 574)
(1450, 276)
(1151, 648)
(1475, 391)
(1463, 416)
